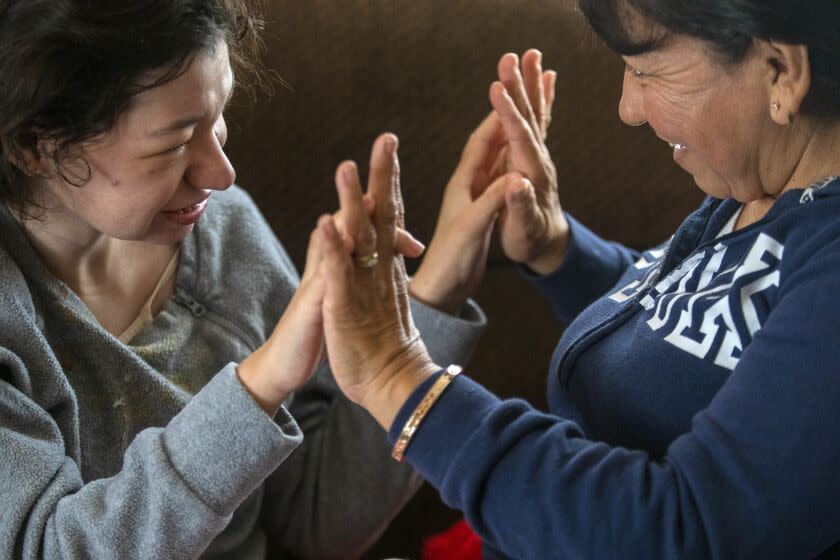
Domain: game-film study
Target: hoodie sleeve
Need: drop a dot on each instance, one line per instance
(176, 490)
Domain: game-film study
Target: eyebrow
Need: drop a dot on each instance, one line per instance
(186, 122)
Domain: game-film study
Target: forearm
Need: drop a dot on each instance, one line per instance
(337, 493)
(590, 267)
(176, 490)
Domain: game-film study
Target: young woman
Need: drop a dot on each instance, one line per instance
(156, 345)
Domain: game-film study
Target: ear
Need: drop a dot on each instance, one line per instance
(790, 70)
(26, 158)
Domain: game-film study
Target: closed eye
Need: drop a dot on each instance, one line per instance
(175, 150)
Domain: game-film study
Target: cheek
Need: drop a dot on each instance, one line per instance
(161, 181)
(671, 117)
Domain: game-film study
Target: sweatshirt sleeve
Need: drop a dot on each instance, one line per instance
(590, 267)
(336, 495)
(755, 477)
(176, 490)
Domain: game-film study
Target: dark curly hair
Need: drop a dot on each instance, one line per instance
(730, 27)
(70, 67)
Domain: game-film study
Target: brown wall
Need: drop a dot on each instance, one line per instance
(421, 69)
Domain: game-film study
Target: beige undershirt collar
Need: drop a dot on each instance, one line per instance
(145, 317)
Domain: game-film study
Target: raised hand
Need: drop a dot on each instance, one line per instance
(374, 349)
(533, 229)
(287, 360)
(457, 256)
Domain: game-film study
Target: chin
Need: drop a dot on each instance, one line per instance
(714, 186)
(171, 237)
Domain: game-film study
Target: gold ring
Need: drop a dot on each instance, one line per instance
(368, 261)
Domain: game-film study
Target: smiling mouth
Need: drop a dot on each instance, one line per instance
(678, 147)
(187, 209)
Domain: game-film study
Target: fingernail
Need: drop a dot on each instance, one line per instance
(329, 229)
(522, 191)
(390, 143)
(418, 245)
(348, 171)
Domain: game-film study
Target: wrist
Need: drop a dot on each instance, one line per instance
(551, 256)
(260, 382)
(432, 294)
(386, 401)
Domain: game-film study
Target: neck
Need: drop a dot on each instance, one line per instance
(818, 155)
(813, 147)
(88, 261)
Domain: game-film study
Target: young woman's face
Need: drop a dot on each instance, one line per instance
(715, 116)
(152, 174)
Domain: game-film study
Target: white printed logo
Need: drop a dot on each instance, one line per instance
(706, 311)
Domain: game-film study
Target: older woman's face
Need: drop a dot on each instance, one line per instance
(715, 116)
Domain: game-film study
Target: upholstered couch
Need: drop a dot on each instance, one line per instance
(421, 68)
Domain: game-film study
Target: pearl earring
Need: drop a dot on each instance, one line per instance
(775, 106)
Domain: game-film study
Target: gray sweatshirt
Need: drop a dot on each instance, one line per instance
(154, 449)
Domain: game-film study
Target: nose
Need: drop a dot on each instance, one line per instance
(631, 108)
(210, 167)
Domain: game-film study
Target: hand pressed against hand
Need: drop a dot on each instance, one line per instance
(352, 226)
(533, 229)
(289, 357)
(489, 183)
(295, 348)
(374, 349)
(457, 256)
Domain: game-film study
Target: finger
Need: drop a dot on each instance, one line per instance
(355, 221)
(511, 77)
(313, 257)
(408, 245)
(383, 186)
(524, 148)
(532, 76)
(521, 207)
(349, 241)
(337, 264)
(491, 202)
(401, 297)
(369, 203)
(549, 85)
(487, 138)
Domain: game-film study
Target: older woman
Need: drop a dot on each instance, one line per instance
(152, 327)
(694, 397)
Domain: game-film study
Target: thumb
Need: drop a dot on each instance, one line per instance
(313, 256)
(493, 200)
(521, 202)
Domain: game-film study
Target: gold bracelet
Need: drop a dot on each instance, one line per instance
(422, 409)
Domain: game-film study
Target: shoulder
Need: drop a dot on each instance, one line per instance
(15, 296)
(233, 211)
(233, 260)
(808, 224)
(234, 229)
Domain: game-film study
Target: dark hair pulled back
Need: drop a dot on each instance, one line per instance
(69, 68)
(730, 27)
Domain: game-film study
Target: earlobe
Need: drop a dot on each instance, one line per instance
(792, 80)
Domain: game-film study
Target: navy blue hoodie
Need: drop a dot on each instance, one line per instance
(694, 400)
